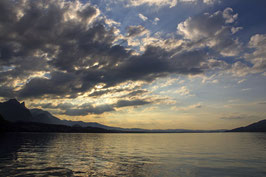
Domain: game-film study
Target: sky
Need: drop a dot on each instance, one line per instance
(168, 64)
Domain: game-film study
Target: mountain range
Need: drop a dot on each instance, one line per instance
(14, 111)
(17, 114)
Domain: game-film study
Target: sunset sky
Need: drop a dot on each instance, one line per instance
(190, 64)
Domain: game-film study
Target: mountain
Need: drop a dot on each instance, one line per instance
(3, 124)
(16, 113)
(46, 117)
(255, 127)
(6, 126)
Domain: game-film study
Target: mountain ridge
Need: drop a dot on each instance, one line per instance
(14, 111)
(259, 126)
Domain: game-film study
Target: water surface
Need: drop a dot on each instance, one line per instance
(181, 154)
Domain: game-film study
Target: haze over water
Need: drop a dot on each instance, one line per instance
(184, 154)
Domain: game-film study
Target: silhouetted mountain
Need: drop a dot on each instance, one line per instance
(6, 126)
(255, 127)
(3, 124)
(23, 119)
(2, 120)
(14, 111)
(46, 117)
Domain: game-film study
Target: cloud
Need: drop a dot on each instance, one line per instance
(213, 31)
(233, 117)
(169, 3)
(229, 16)
(135, 93)
(210, 1)
(246, 89)
(49, 105)
(155, 21)
(142, 17)
(236, 29)
(158, 3)
(59, 84)
(238, 117)
(89, 109)
(134, 31)
(187, 108)
(239, 69)
(183, 91)
(126, 103)
(241, 81)
(255, 60)
(63, 49)
(258, 56)
(6, 92)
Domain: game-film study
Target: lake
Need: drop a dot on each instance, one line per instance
(177, 154)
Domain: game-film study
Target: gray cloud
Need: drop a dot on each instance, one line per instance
(75, 51)
(6, 92)
(60, 84)
(61, 106)
(213, 31)
(126, 103)
(258, 56)
(136, 31)
(89, 110)
(135, 93)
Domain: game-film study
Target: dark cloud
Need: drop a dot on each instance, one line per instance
(98, 93)
(89, 110)
(74, 110)
(126, 103)
(87, 12)
(134, 31)
(6, 92)
(135, 93)
(75, 51)
(61, 106)
(59, 84)
(129, 92)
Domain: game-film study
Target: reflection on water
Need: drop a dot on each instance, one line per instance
(55, 154)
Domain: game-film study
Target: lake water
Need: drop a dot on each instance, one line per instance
(183, 154)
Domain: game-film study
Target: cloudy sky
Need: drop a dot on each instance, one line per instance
(194, 64)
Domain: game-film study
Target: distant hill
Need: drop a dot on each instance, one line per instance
(255, 127)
